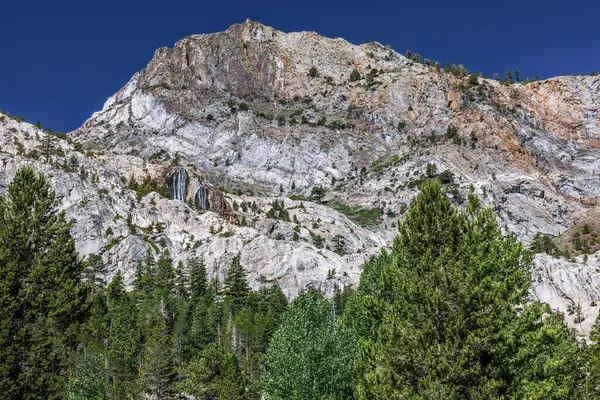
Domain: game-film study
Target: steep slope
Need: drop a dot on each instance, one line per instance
(244, 106)
(125, 227)
(232, 121)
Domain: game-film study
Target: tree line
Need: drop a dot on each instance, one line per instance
(442, 315)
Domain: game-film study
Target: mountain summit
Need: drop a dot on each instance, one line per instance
(300, 153)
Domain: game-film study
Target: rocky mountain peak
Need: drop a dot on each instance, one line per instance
(300, 153)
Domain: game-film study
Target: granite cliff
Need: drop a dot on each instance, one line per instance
(219, 145)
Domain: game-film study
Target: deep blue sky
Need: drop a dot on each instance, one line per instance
(60, 60)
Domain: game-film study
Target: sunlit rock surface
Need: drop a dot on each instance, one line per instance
(232, 121)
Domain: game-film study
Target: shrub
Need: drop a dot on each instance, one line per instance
(474, 79)
(431, 170)
(278, 211)
(446, 177)
(543, 244)
(317, 239)
(355, 76)
(317, 193)
(367, 218)
(313, 72)
(451, 132)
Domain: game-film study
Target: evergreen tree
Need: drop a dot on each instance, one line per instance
(183, 313)
(310, 355)
(47, 146)
(181, 281)
(198, 279)
(437, 317)
(41, 299)
(95, 273)
(123, 339)
(157, 369)
(236, 287)
(214, 375)
(164, 279)
(591, 387)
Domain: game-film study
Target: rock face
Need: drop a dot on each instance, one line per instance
(233, 121)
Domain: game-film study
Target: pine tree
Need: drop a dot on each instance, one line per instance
(164, 280)
(591, 386)
(437, 317)
(157, 369)
(47, 146)
(183, 313)
(123, 339)
(236, 287)
(181, 281)
(214, 374)
(198, 279)
(95, 273)
(41, 299)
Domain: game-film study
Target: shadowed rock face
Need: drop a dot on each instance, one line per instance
(252, 114)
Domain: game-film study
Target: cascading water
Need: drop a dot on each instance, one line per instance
(179, 184)
(202, 198)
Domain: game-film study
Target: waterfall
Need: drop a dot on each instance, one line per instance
(179, 184)
(202, 198)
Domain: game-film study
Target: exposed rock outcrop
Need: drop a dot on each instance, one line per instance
(232, 121)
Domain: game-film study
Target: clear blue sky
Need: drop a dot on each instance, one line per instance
(60, 60)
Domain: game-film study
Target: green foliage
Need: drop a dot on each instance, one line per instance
(236, 287)
(278, 211)
(198, 279)
(543, 244)
(157, 369)
(215, 374)
(591, 371)
(384, 163)
(313, 72)
(148, 186)
(123, 338)
(89, 378)
(452, 133)
(442, 315)
(317, 239)
(437, 317)
(317, 193)
(474, 79)
(95, 273)
(41, 299)
(310, 355)
(368, 218)
(431, 170)
(354, 76)
(339, 245)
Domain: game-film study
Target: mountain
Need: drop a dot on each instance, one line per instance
(217, 146)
